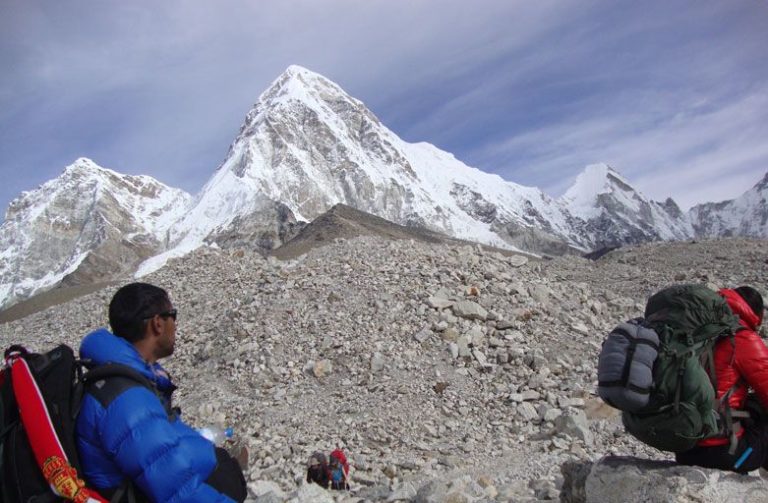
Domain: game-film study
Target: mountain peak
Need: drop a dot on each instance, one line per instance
(299, 83)
(596, 179)
(82, 165)
(297, 70)
(599, 178)
(296, 85)
(611, 206)
(90, 223)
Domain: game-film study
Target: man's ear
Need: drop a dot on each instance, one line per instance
(155, 325)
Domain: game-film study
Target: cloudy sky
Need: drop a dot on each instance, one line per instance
(672, 93)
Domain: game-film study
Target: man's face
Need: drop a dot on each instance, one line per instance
(167, 339)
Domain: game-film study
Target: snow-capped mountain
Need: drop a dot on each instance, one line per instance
(616, 214)
(307, 145)
(87, 225)
(304, 147)
(747, 215)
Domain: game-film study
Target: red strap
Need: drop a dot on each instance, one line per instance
(49, 454)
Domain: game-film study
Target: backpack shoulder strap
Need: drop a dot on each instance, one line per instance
(107, 382)
(116, 370)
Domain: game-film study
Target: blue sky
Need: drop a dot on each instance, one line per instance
(672, 93)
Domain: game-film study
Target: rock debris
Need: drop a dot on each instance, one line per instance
(447, 373)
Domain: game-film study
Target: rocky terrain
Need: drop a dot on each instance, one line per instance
(446, 372)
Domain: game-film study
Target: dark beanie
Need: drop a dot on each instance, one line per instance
(753, 299)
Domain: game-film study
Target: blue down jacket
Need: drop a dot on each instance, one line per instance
(133, 436)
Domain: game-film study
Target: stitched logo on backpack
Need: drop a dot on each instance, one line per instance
(64, 480)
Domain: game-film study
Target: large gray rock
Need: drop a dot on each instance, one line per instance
(470, 310)
(266, 491)
(620, 479)
(574, 422)
(313, 493)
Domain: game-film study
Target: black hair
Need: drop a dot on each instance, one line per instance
(752, 298)
(132, 305)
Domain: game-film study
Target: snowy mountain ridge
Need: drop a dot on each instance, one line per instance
(88, 224)
(615, 213)
(304, 147)
(746, 215)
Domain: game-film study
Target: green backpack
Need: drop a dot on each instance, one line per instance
(682, 409)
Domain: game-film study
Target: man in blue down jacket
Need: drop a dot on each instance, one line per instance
(127, 431)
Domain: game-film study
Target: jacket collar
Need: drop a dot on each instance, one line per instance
(101, 347)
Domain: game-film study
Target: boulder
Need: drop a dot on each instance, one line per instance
(377, 363)
(322, 368)
(266, 491)
(470, 310)
(622, 478)
(313, 493)
(574, 422)
(518, 260)
(439, 303)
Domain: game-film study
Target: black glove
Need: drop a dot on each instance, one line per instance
(227, 477)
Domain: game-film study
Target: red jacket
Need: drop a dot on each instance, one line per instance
(746, 358)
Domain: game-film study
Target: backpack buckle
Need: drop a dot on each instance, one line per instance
(13, 353)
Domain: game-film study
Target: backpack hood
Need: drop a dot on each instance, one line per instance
(317, 459)
(740, 308)
(102, 346)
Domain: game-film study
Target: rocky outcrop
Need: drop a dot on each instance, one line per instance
(623, 478)
(345, 222)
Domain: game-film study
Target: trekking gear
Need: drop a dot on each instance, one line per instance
(39, 457)
(317, 469)
(742, 458)
(625, 366)
(40, 399)
(681, 408)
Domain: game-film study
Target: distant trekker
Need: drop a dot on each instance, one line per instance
(339, 469)
(331, 472)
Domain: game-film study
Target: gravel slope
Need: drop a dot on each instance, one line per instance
(434, 363)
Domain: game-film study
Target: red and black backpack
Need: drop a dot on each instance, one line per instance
(40, 397)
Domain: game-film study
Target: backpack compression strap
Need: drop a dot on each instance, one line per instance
(45, 444)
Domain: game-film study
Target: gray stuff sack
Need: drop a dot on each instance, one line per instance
(625, 366)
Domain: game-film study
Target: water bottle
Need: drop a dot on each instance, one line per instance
(216, 434)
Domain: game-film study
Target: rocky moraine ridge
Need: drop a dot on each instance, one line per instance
(448, 373)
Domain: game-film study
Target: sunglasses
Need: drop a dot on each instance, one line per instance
(171, 313)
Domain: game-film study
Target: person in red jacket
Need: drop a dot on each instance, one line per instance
(339, 469)
(741, 364)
